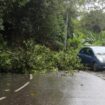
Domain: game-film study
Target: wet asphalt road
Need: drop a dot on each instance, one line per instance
(100, 74)
(53, 89)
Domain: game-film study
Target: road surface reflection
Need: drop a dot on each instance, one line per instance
(53, 89)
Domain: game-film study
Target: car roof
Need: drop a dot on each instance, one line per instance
(97, 49)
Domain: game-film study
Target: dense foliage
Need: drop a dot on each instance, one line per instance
(31, 58)
(41, 20)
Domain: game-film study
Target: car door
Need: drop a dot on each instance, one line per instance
(86, 55)
(82, 55)
(89, 56)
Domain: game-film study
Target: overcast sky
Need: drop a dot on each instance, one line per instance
(93, 6)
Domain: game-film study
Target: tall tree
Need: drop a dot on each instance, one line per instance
(94, 21)
(40, 19)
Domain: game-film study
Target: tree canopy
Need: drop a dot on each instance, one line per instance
(48, 21)
(94, 21)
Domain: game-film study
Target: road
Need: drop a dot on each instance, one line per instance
(100, 74)
(83, 88)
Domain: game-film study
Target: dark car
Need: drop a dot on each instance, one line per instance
(93, 56)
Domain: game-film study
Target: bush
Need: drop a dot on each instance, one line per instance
(67, 60)
(5, 56)
(5, 61)
(31, 58)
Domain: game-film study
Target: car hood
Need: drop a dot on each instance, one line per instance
(101, 58)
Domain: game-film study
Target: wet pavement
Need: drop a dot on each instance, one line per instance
(53, 89)
(100, 74)
(10, 82)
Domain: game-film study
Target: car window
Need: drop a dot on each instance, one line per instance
(83, 51)
(87, 51)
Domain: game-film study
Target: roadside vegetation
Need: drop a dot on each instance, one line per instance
(31, 58)
(46, 35)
